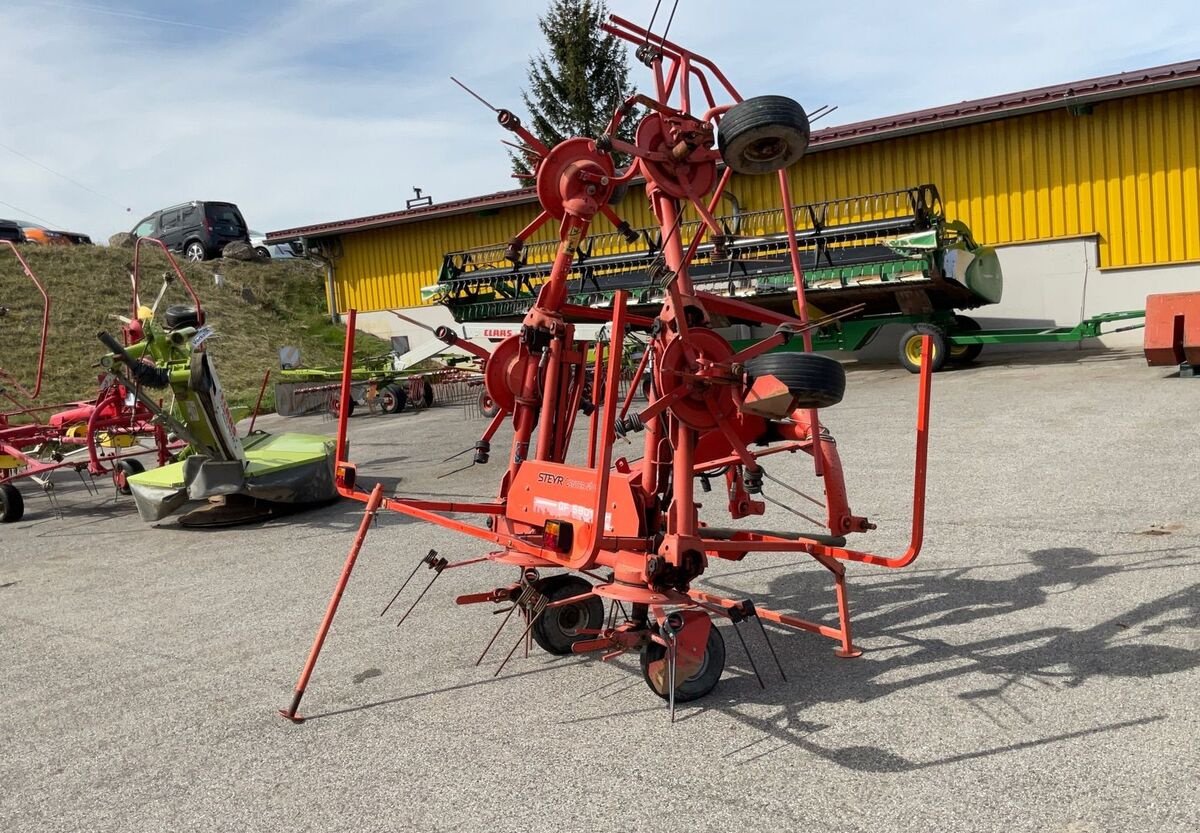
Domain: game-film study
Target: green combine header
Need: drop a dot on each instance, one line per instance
(891, 253)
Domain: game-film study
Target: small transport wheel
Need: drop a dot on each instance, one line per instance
(647, 386)
(699, 684)
(194, 251)
(965, 353)
(393, 398)
(910, 348)
(816, 381)
(262, 252)
(487, 405)
(12, 505)
(124, 470)
(763, 135)
(336, 404)
(558, 628)
(427, 397)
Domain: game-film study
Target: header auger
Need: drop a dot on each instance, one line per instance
(626, 536)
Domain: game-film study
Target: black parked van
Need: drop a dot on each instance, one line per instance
(199, 230)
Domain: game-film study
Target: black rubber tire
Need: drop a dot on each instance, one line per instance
(12, 505)
(556, 630)
(179, 316)
(393, 398)
(194, 251)
(816, 381)
(909, 351)
(700, 683)
(968, 352)
(335, 405)
(262, 252)
(427, 398)
(124, 470)
(487, 405)
(647, 386)
(763, 135)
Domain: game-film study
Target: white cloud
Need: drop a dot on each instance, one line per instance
(335, 108)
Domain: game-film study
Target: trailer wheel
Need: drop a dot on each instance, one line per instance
(763, 135)
(816, 381)
(965, 353)
(558, 628)
(335, 405)
(699, 684)
(12, 505)
(124, 470)
(392, 399)
(427, 397)
(910, 348)
(488, 406)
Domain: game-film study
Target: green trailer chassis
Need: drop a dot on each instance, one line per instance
(962, 337)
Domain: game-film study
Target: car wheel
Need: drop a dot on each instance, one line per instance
(194, 251)
(263, 252)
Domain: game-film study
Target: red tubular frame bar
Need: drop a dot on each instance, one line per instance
(37, 385)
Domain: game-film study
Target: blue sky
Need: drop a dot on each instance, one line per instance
(303, 111)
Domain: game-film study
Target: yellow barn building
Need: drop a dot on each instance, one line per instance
(1090, 191)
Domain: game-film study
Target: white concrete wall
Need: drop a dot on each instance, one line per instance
(1052, 284)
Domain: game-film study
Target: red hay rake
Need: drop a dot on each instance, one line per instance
(629, 532)
(96, 438)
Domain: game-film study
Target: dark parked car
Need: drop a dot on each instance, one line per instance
(199, 230)
(11, 231)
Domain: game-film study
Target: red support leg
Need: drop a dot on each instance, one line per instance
(372, 507)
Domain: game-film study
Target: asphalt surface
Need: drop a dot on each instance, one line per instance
(1036, 669)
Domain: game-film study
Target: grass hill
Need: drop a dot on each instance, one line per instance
(259, 308)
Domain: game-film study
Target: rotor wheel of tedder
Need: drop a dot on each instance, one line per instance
(558, 628)
(700, 683)
(123, 470)
(12, 505)
(762, 135)
(816, 381)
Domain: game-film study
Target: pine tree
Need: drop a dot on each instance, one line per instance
(575, 86)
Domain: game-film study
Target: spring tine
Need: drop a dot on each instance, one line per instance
(538, 607)
(671, 655)
(420, 596)
(749, 656)
(496, 635)
(424, 560)
(770, 647)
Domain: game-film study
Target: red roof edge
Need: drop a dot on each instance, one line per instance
(1184, 73)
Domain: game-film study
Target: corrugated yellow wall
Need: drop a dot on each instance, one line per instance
(1127, 172)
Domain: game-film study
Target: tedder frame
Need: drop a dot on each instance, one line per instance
(628, 532)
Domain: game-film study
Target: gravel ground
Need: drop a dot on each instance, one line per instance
(1035, 669)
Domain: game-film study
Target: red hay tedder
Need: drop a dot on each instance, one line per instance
(101, 437)
(629, 532)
